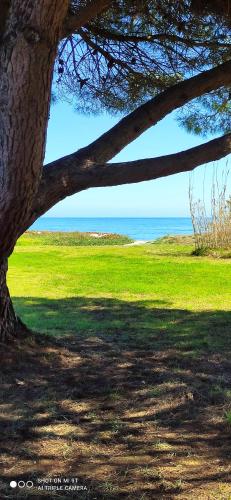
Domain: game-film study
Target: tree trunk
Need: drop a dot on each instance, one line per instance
(28, 48)
(29, 36)
(9, 323)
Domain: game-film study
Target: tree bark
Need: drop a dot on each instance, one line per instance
(82, 169)
(4, 8)
(9, 323)
(27, 53)
(83, 15)
(29, 38)
(61, 179)
(29, 35)
(149, 114)
(86, 168)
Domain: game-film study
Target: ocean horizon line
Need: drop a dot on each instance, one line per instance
(115, 217)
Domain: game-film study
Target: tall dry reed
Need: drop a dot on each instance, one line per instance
(212, 230)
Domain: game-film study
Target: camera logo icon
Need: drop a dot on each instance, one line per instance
(21, 484)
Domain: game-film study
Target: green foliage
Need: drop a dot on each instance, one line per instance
(137, 49)
(200, 251)
(208, 115)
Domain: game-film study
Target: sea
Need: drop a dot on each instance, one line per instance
(138, 228)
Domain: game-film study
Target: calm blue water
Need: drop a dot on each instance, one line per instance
(137, 228)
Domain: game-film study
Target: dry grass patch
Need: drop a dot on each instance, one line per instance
(125, 422)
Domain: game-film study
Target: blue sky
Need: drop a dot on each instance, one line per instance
(166, 197)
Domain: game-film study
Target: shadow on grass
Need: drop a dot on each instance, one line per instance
(128, 397)
(142, 324)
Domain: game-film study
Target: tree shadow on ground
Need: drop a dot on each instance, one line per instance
(130, 397)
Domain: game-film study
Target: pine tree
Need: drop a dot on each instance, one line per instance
(140, 60)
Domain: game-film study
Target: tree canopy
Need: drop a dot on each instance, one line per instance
(135, 50)
(145, 58)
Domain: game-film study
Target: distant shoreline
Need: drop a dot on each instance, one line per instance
(141, 228)
(101, 238)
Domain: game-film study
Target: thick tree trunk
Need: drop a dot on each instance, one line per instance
(29, 35)
(9, 323)
(28, 48)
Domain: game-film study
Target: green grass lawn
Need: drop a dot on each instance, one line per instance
(154, 292)
(126, 382)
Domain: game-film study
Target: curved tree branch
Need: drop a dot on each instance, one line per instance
(83, 15)
(137, 122)
(157, 37)
(82, 169)
(115, 174)
(61, 181)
